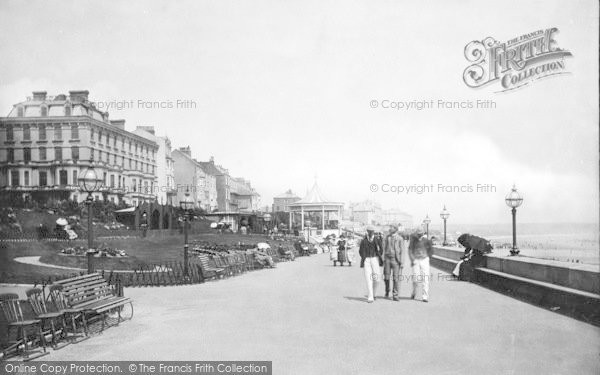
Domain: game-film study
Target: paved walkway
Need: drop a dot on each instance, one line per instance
(310, 318)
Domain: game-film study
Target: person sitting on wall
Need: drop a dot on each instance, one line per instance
(474, 256)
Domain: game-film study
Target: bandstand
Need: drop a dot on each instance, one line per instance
(315, 206)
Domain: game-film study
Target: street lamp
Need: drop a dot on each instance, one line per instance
(445, 215)
(426, 221)
(187, 204)
(89, 182)
(513, 199)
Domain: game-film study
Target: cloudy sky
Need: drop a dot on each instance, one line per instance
(284, 94)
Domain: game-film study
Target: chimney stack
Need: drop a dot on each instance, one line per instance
(186, 150)
(39, 95)
(79, 95)
(149, 129)
(118, 123)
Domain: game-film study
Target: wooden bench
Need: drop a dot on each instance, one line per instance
(91, 294)
(209, 271)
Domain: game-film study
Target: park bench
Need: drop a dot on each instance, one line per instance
(91, 294)
(208, 270)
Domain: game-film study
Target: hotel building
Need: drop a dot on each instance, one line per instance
(46, 142)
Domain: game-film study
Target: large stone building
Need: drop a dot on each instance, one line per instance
(367, 212)
(281, 202)
(165, 189)
(46, 142)
(395, 217)
(190, 176)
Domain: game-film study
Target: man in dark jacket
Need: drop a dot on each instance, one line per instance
(370, 251)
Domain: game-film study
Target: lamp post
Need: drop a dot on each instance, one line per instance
(186, 205)
(445, 215)
(513, 199)
(89, 182)
(426, 221)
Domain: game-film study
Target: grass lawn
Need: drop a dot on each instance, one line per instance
(141, 251)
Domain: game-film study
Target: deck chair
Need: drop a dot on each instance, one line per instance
(11, 308)
(38, 304)
(61, 305)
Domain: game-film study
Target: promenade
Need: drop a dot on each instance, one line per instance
(311, 318)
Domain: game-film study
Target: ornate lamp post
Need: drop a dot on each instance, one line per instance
(445, 215)
(187, 204)
(513, 199)
(426, 222)
(89, 182)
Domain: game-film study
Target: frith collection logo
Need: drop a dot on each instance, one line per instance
(515, 63)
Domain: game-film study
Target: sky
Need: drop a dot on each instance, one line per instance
(283, 95)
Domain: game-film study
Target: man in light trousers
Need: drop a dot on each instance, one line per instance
(419, 251)
(370, 254)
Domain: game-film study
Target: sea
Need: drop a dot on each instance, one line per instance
(566, 242)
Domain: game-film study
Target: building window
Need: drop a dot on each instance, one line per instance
(67, 109)
(10, 155)
(130, 164)
(42, 153)
(92, 134)
(112, 180)
(42, 132)
(44, 111)
(104, 179)
(115, 142)
(119, 179)
(9, 133)
(27, 154)
(123, 144)
(74, 131)
(75, 153)
(107, 139)
(58, 132)
(63, 177)
(14, 178)
(26, 132)
(26, 178)
(134, 185)
(58, 153)
(74, 178)
(43, 179)
(20, 111)
(99, 137)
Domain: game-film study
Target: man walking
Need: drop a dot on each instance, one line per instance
(392, 262)
(370, 259)
(419, 250)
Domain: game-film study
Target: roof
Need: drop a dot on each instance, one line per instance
(209, 168)
(315, 198)
(287, 195)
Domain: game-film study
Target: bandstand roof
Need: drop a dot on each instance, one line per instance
(314, 200)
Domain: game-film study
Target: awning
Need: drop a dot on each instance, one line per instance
(125, 210)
